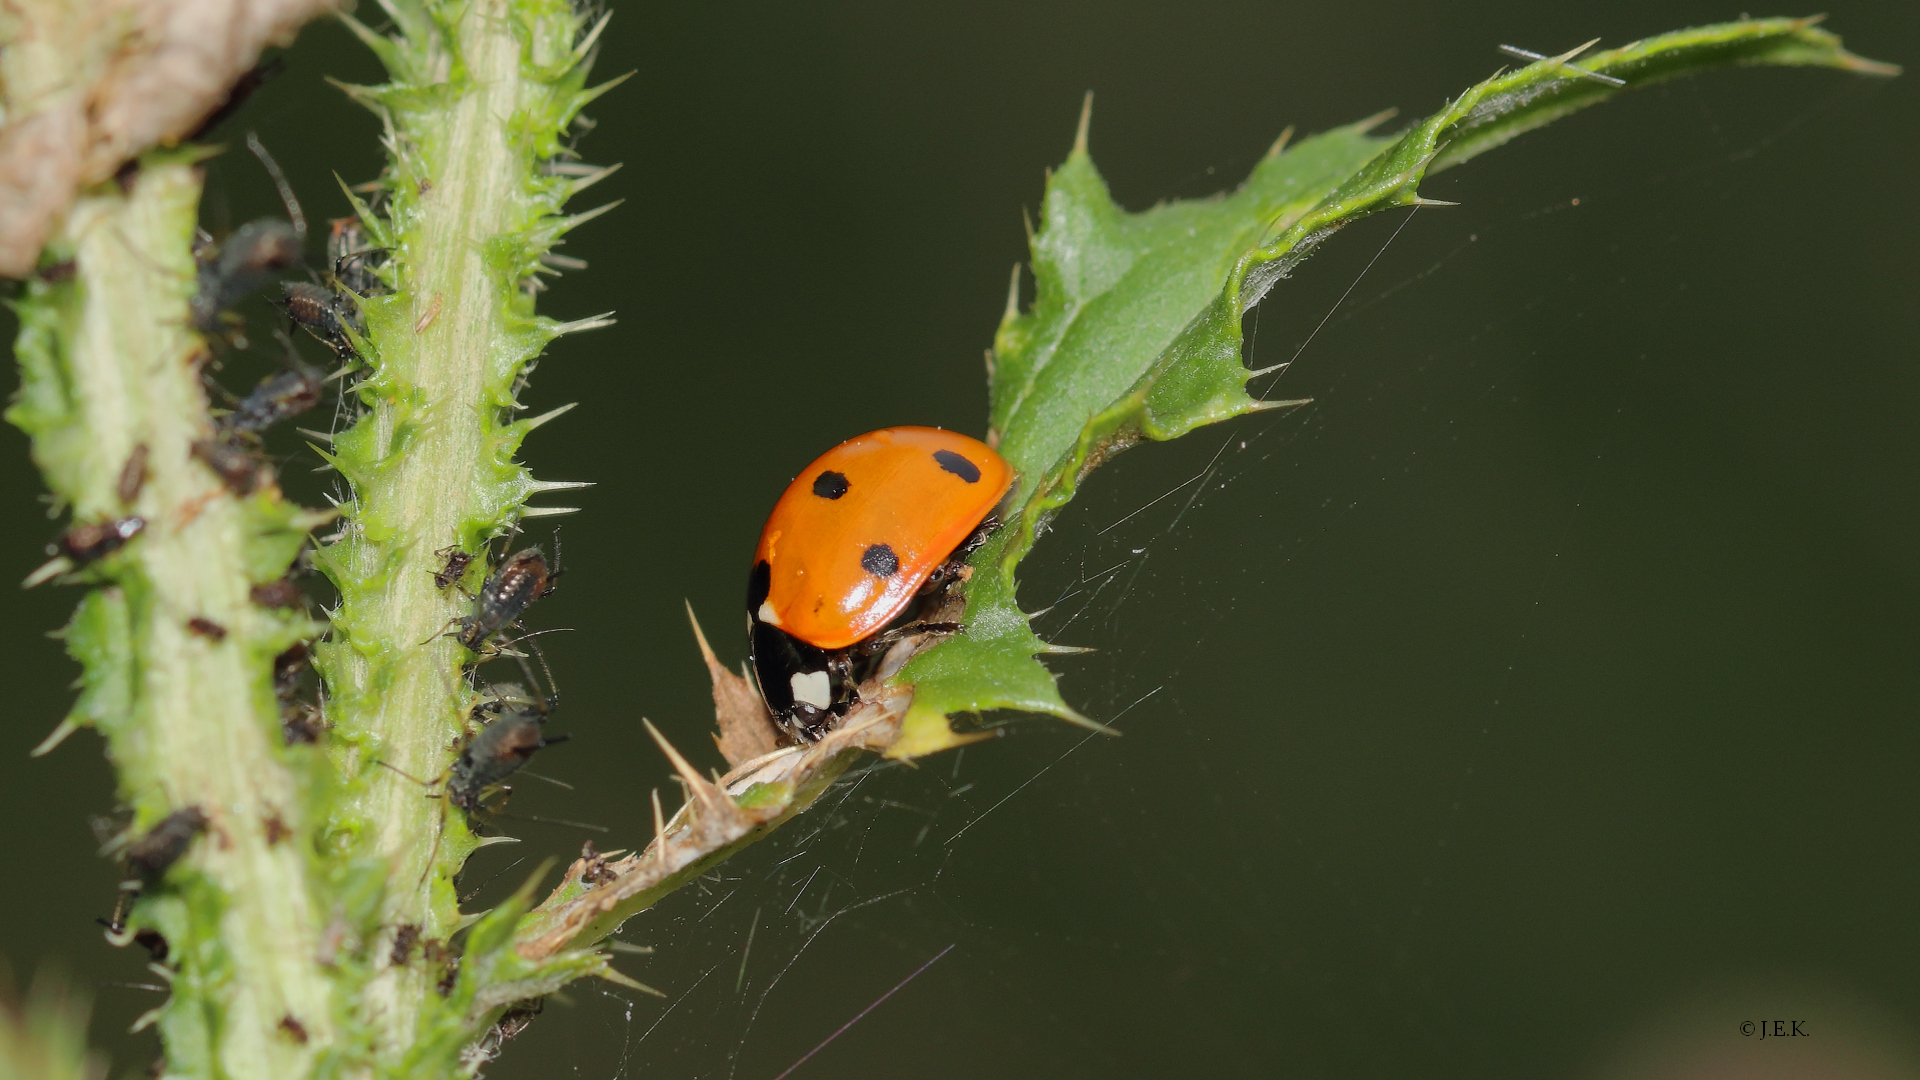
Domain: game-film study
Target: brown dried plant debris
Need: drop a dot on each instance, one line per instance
(767, 783)
(87, 85)
(714, 819)
(746, 731)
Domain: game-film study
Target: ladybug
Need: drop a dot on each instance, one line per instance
(859, 549)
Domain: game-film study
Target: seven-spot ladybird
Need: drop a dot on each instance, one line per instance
(858, 546)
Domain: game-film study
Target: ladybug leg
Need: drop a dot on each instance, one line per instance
(886, 639)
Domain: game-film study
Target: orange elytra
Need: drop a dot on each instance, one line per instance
(847, 550)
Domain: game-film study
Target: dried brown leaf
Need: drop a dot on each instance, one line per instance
(746, 730)
(90, 84)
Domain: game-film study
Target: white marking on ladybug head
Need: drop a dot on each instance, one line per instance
(768, 615)
(811, 688)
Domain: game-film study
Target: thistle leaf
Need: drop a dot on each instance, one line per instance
(1134, 332)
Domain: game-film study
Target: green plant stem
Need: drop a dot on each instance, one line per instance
(190, 718)
(414, 704)
(481, 93)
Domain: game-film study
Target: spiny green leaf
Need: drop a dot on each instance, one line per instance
(1134, 332)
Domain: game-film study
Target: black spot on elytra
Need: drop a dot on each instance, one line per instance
(759, 584)
(958, 466)
(830, 485)
(880, 561)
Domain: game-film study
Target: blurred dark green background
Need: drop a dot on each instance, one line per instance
(1540, 702)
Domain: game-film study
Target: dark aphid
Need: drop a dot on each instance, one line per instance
(496, 753)
(154, 942)
(146, 937)
(239, 467)
(518, 1017)
(95, 540)
(287, 668)
(294, 1029)
(133, 475)
(229, 272)
(325, 313)
(597, 871)
(455, 568)
(354, 258)
(330, 310)
(207, 628)
(519, 581)
(278, 397)
(284, 593)
(301, 723)
(309, 305)
(515, 734)
(163, 845)
(276, 829)
(56, 273)
(404, 938)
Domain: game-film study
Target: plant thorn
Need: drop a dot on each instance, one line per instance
(569, 224)
(49, 570)
(590, 177)
(576, 326)
(59, 735)
(706, 651)
(592, 38)
(612, 975)
(551, 414)
(1376, 120)
(1075, 718)
(698, 786)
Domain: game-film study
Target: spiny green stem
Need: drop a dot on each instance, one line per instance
(481, 94)
(436, 443)
(189, 715)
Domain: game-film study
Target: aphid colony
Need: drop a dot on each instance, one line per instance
(513, 719)
(507, 726)
(327, 307)
(227, 272)
(855, 567)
